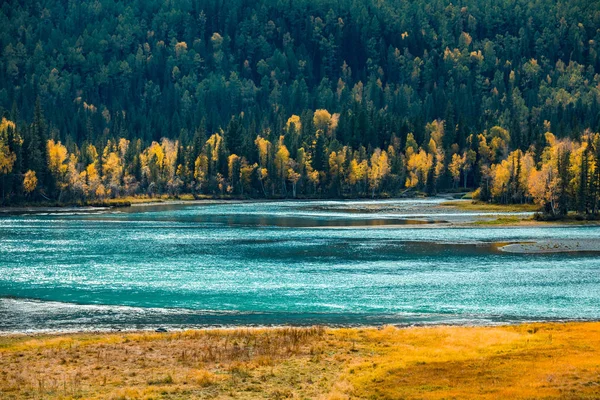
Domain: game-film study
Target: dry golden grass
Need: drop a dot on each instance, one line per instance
(523, 361)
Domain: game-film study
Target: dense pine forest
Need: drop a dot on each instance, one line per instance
(308, 98)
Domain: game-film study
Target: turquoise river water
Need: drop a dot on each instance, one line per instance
(272, 263)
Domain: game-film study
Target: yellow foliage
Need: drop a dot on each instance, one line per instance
(234, 167)
(201, 168)
(113, 169)
(293, 176)
(180, 49)
(232, 160)
(431, 147)
(92, 179)
(246, 173)
(5, 124)
(411, 145)
(418, 166)
(435, 130)
(379, 169)
(57, 155)
(527, 167)
(456, 166)
(500, 174)
(264, 148)
(321, 119)
(358, 171)
(484, 150)
(92, 153)
(436, 150)
(498, 139)
(101, 191)
(576, 161)
(154, 152)
(333, 123)
(550, 138)
(30, 181)
(214, 143)
(170, 149)
(263, 173)
(336, 162)
(313, 176)
(7, 158)
(543, 185)
(74, 178)
(294, 119)
(282, 157)
(123, 146)
(517, 169)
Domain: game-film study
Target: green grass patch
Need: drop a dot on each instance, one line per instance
(483, 206)
(500, 221)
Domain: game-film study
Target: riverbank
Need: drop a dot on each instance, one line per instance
(474, 213)
(469, 205)
(549, 360)
(554, 246)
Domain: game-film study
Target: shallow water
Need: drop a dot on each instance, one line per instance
(336, 263)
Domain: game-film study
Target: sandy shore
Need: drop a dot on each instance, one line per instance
(541, 360)
(45, 210)
(553, 246)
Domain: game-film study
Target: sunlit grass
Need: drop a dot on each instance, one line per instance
(524, 361)
(154, 199)
(483, 206)
(449, 362)
(502, 221)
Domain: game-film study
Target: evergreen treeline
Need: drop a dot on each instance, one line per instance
(105, 98)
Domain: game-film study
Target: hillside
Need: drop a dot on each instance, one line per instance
(109, 98)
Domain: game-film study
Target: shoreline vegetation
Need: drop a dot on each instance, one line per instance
(107, 100)
(560, 361)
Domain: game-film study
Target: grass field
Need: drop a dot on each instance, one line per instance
(524, 361)
(491, 207)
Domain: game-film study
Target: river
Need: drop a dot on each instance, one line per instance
(294, 262)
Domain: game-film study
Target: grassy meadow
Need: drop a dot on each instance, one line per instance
(544, 360)
(490, 207)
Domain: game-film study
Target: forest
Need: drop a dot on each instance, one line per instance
(103, 99)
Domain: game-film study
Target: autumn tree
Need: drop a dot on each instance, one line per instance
(293, 176)
(29, 182)
(378, 170)
(282, 158)
(234, 164)
(456, 167)
(418, 165)
(263, 147)
(321, 121)
(337, 161)
(358, 173)
(57, 157)
(7, 157)
(200, 171)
